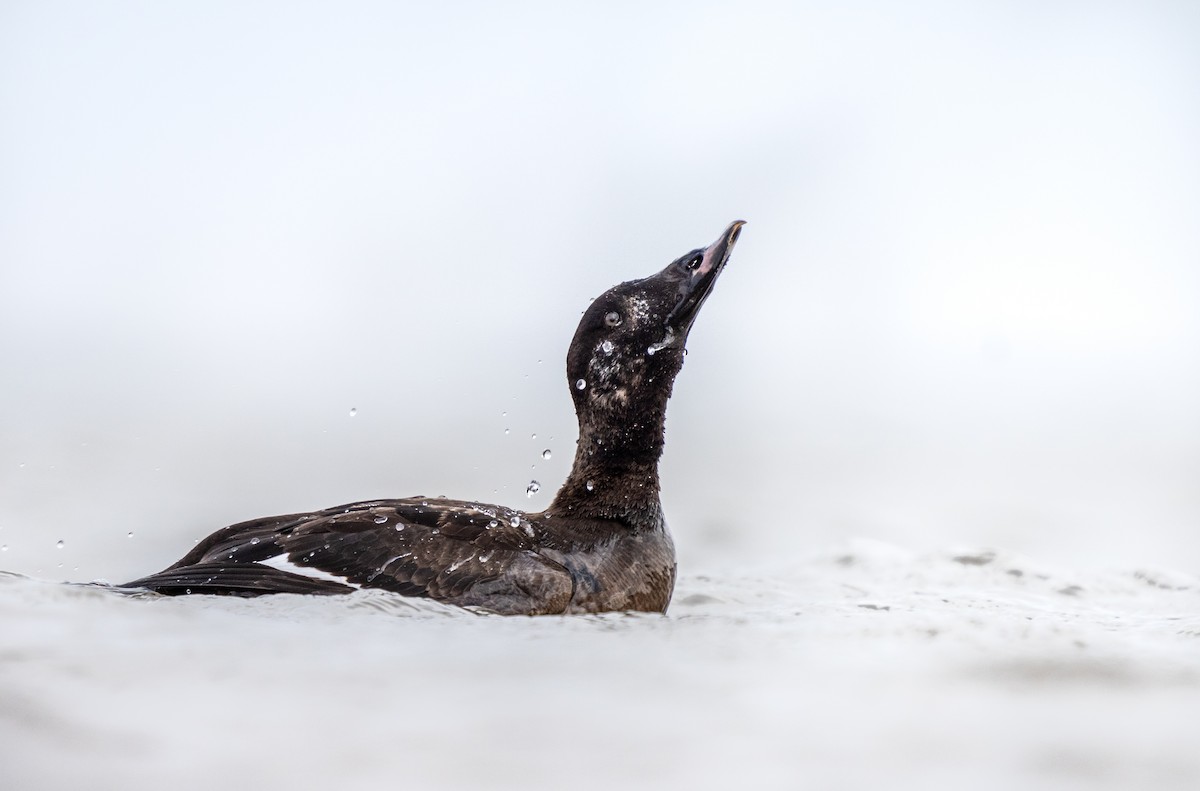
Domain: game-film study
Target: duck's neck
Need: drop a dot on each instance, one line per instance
(615, 474)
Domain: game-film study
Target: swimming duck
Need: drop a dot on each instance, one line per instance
(601, 545)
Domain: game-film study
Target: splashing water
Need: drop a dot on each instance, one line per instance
(667, 340)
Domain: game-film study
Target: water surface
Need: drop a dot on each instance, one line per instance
(860, 666)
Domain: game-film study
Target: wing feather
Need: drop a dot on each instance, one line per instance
(443, 549)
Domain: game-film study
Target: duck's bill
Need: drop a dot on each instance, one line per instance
(699, 271)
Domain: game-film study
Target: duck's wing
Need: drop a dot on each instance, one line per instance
(442, 549)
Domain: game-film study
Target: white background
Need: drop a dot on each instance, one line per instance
(964, 310)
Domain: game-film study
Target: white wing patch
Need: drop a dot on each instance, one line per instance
(282, 563)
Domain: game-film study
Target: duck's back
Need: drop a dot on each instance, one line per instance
(458, 552)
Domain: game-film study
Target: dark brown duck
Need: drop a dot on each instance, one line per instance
(601, 545)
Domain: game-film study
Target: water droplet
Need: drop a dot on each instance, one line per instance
(607, 346)
(59, 545)
(503, 414)
(580, 384)
(590, 486)
(3, 547)
(129, 534)
(546, 454)
(188, 591)
(533, 488)
(667, 340)
(506, 431)
(381, 520)
(492, 524)
(254, 540)
(399, 527)
(353, 411)
(515, 521)
(533, 436)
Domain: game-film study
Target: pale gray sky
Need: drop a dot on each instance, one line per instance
(963, 312)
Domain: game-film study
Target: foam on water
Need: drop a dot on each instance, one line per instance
(860, 666)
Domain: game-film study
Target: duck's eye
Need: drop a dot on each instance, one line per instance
(694, 263)
(612, 319)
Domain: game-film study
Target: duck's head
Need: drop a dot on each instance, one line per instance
(630, 343)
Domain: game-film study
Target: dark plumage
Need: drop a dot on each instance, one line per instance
(601, 545)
